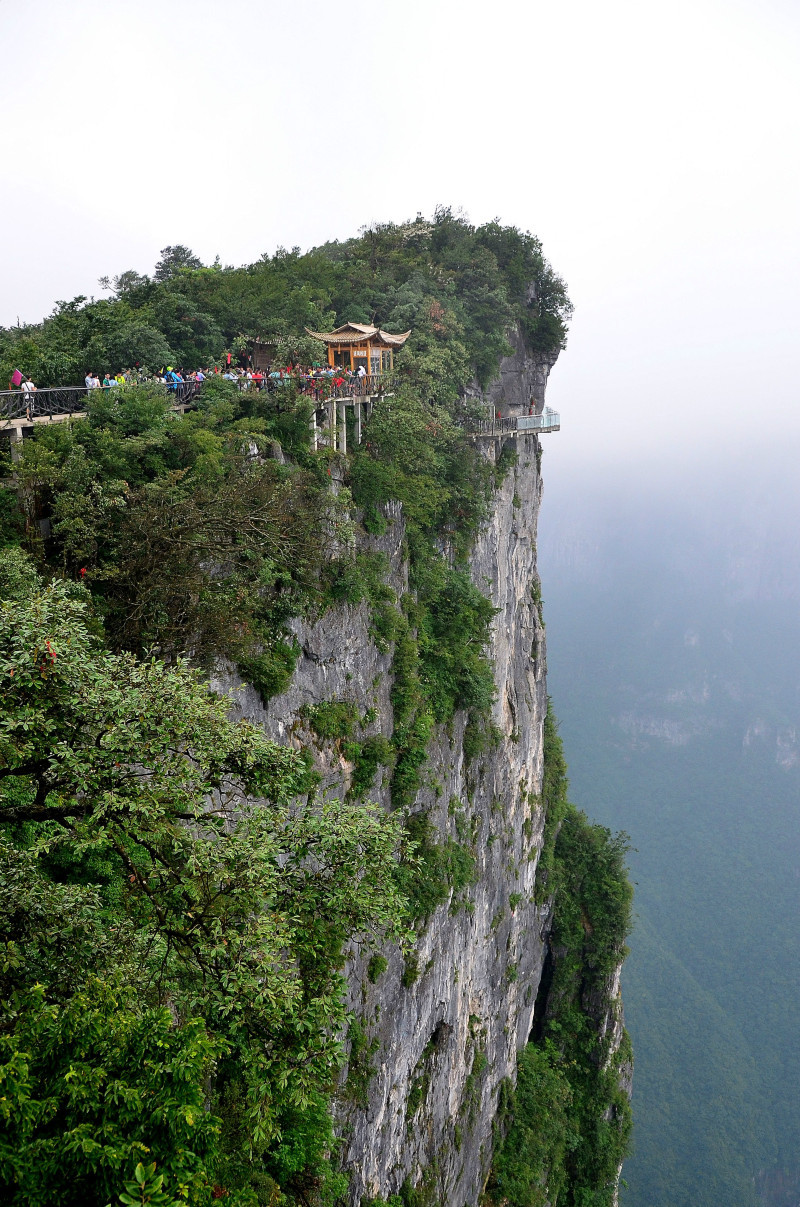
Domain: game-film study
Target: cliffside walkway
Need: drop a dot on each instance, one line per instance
(518, 425)
(21, 411)
(62, 401)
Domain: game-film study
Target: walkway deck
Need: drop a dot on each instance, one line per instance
(61, 401)
(20, 412)
(518, 425)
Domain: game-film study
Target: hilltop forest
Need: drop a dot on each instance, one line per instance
(459, 288)
(173, 925)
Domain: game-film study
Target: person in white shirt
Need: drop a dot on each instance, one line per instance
(28, 391)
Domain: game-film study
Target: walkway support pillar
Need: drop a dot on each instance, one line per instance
(342, 427)
(359, 405)
(312, 423)
(16, 442)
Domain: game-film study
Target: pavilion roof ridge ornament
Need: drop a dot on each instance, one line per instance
(357, 333)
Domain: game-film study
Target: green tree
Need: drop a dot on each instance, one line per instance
(137, 343)
(173, 259)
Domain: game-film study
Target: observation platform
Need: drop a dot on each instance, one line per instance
(21, 412)
(517, 425)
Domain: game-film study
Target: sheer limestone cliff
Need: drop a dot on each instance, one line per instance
(438, 1032)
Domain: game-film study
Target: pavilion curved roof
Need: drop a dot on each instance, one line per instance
(359, 333)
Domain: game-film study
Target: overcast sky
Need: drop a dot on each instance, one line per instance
(653, 148)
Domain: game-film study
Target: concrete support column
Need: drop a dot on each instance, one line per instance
(330, 407)
(312, 423)
(16, 442)
(342, 428)
(359, 405)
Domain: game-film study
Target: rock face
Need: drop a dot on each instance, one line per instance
(449, 1038)
(521, 381)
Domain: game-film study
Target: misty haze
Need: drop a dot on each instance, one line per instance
(400, 604)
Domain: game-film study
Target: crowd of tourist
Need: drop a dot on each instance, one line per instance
(246, 378)
(316, 381)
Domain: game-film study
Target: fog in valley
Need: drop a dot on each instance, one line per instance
(671, 593)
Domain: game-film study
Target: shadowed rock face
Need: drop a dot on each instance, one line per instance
(448, 1039)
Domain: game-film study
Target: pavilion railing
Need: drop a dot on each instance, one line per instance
(325, 388)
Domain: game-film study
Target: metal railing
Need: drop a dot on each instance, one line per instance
(548, 421)
(72, 400)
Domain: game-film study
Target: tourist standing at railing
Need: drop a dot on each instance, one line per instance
(28, 391)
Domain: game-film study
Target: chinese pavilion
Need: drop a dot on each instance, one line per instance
(356, 344)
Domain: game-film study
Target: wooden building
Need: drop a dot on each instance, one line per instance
(356, 344)
(261, 354)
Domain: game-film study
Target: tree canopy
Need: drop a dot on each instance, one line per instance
(458, 287)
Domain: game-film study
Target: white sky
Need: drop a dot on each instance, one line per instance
(653, 149)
